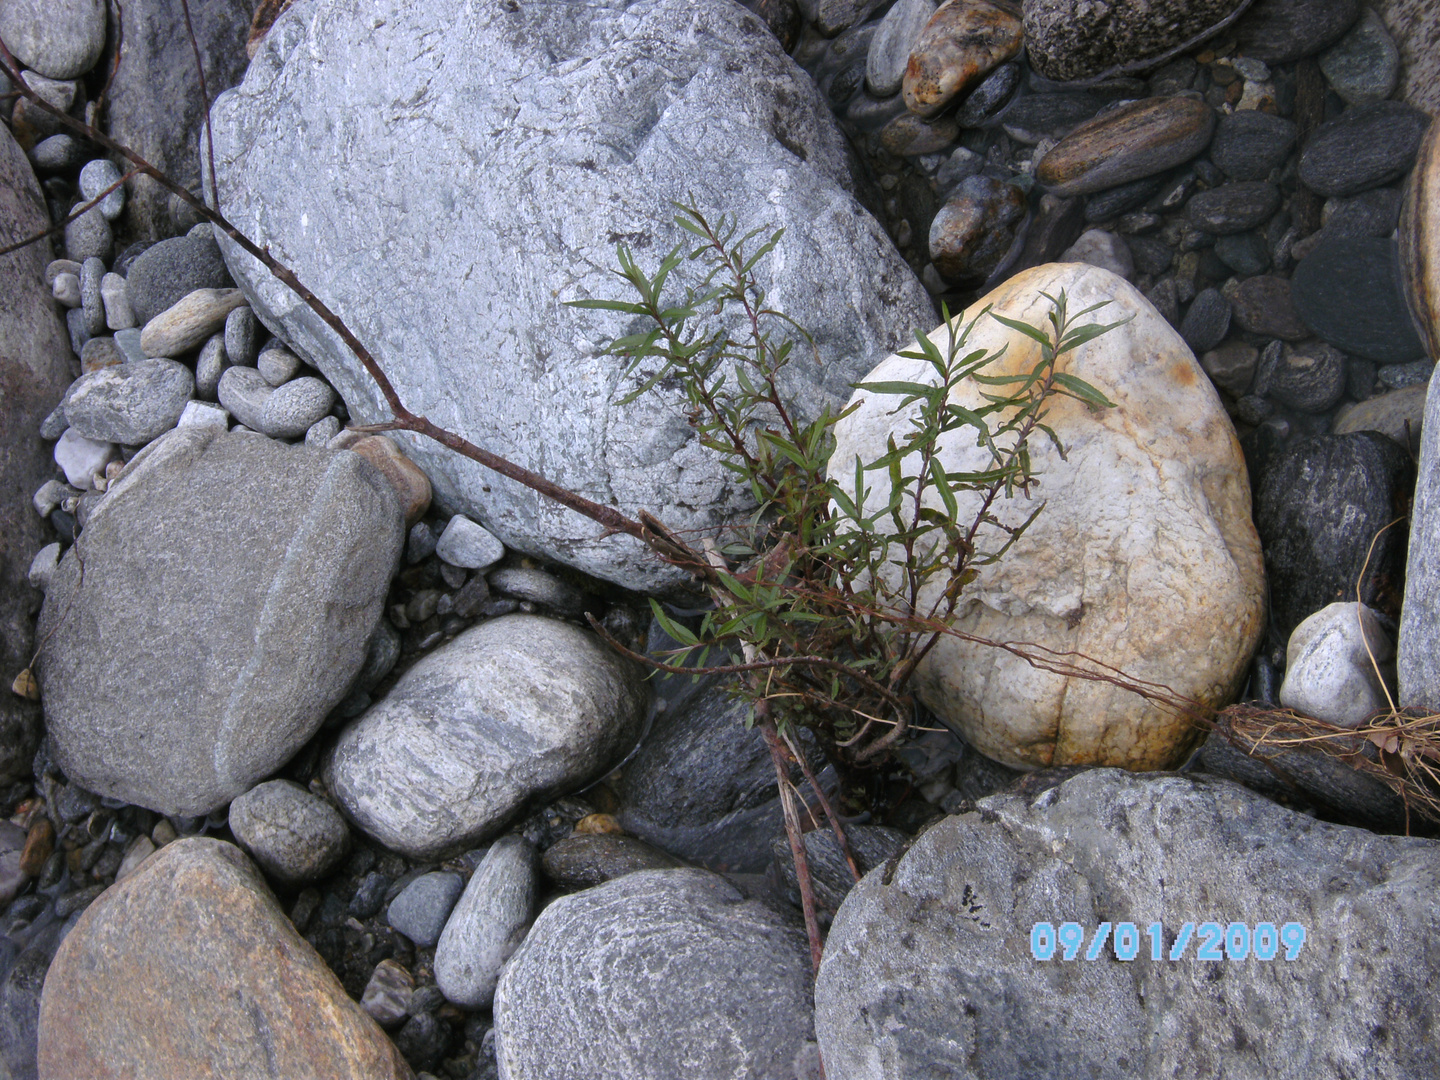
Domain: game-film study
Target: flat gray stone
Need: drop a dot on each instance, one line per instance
(488, 923)
(34, 370)
(231, 586)
(277, 364)
(652, 976)
(295, 836)
(517, 709)
(1364, 65)
(420, 911)
(131, 402)
(928, 969)
(209, 366)
(58, 38)
(618, 102)
(466, 544)
(241, 332)
(585, 860)
(1419, 648)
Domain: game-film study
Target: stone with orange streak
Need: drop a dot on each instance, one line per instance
(412, 486)
(963, 42)
(189, 968)
(1144, 557)
(1128, 143)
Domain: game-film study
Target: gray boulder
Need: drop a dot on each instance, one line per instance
(1419, 649)
(153, 103)
(230, 587)
(516, 710)
(536, 139)
(35, 364)
(652, 976)
(929, 971)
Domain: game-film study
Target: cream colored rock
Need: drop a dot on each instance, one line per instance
(1420, 241)
(1400, 415)
(189, 321)
(1144, 558)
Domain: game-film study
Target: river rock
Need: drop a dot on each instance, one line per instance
(1309, 377)
(518, 708)
(190, 968)
(231, 585)
(830, 874)
(1207, 321)
(1183, 562)
(1076, 41)
(1281, 31)
(1249, 144)
(655, 975)
(1364, 65)
(60, 39)
(1265, 305)
(975, 230)
(929, 966)
(34, 371)
(890, 47)
(1319, 503)
(1418, 38)
(463, 543)
(420, 911)
(1103, 249)
(1337, 664)
(1231, 366)
(1419, 646)
(167, 272)
(131, 402)
(189, 321)
(583, 861)
(1127, 143)
(622, 131)
(412, 486)
(1350, 293)
(1398, 415)
(1233, 208)
(154, 105)
(283, 413)
(295, 836)
(80, 458)
(1419, 235)
(488, 923)
(1364, 147)
(963, 42)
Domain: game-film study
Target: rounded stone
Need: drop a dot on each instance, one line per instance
(584, 861)
(1082, 41)
(464, 543)
(129, 403)
(241, 330)
(962, 43)
(277, 364)
(1330, 665)
(487, 924)
(167, 272)
(61, 39)
(295, 836)
(1364, 147)
(1207, 322)
(1282, 31)
(423, 906)
(95, 177)
(1265, 305)
(1364, 65)
(1173, 590)
(1249, 144)
(1349, 292)
(89, 236)
(189, 321)
(1127, 143)
(1309, 377)
(1233, 208)
(1419, 234)
(973, 232)
(890, 47)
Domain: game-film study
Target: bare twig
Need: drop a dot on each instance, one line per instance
(793, 832)
(205, 99)
(835, 826)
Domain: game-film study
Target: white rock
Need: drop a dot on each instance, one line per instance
(66, 289)
(118, 313)
(81, 458)
(1145, 556)
(466, 544)
(204, 414)
(487, 924)
(1331, 665)
(43, 566)
(1097, 247)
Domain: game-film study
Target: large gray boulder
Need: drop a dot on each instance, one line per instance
(928, 969)
(34, 372)
(656, 975)
(217, 605)
(448, 177)
(1419, 650)
(153, 103)
(513, 711)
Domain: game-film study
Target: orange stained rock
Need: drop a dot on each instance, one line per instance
(962, 43)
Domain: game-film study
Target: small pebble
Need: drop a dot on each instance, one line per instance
(369, 895)
(210, 365)
(466, 544)
(66, 289)
(95, 177)
(42, 567)
(322, 431)
(118, 315)
(420, 544)
(49, 496)
(240, 336)
(420, 911)
(91, 302)
(277, 364)
(81, 458)
(128, 341)
(387, 994)
(204, 414)
(58, 153)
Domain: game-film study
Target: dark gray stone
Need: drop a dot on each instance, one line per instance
(1364, 65)
(1207, 322)
(1070, 41)
(1233, 208)
(59, 153)
(1231, 366)
(90, 300)
(1152, 256)
(167, 272)
(1104, 205)
(1280, 31)
(928, 970)
(1349, 293)
(516, 709)
(975, 231)
(1309, 377)
(34, 371)
(1038, 116)
(230, 587)
(420, 911)
(1319, 502)
(987, 99)
(20, 991)
(830, 876)
(585, 860)
(131, 402)
(657, 86)
(1265, 305)
(655, 975)
(1246, 253)
(488, 923)
(1364, 147)
(1399, 376)
(295, 836)
(538, 587)
(1419, 648)
(154, 104)
(89, 237)
(1371, 213)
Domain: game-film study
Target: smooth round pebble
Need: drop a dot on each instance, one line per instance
(240, 336)
(420, 911)
(277, 364)
(57, 38)
(295, 836)
(210, 365)
(468, 545)
(116, 298)
(91, 302)
(322, 431)
(89, 236)
(487, 924)
(66, 289)
(95, 177)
